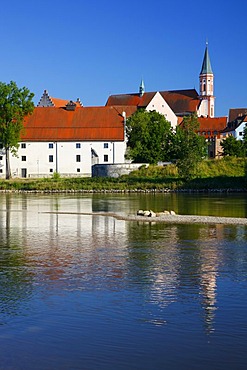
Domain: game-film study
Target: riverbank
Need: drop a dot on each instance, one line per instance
(124, 185)
(223, 175)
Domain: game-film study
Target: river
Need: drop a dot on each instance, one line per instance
(94, 292)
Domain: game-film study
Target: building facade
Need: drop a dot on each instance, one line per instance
(69, 140)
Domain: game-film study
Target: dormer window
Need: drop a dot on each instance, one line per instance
(70, 106)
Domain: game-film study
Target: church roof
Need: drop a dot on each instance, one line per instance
(180, 101)
(206, 65)
(82, 124)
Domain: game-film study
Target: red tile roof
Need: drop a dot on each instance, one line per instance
(91, 123)
(180, 101)
(212, 126)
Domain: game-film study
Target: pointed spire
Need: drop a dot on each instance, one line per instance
(206, 65)
(142, 88)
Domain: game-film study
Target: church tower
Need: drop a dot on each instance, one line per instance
(206, 87)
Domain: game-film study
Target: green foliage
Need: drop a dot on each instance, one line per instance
(15, 104)
(189, 148)
(149, 136)
(56, 176)
(233, 147)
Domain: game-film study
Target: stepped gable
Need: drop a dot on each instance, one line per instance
(47, 101)
(79, 124)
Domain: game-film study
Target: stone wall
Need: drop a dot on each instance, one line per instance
(114, 170)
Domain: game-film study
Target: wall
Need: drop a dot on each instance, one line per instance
(115, 170)
(68, 158)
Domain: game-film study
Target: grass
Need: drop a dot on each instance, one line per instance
(225, 174)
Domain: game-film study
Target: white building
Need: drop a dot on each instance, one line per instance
(69, 140)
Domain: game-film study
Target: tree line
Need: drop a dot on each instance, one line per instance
(152, 140)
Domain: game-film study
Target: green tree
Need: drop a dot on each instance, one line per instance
(233, 147)
(15, 104)
(149, 137)
(189, 148)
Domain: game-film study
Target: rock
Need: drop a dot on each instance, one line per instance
(140, 212)
(172, 213)
(166, 213)
(146, 213)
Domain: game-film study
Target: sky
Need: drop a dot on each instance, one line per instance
(95, 48)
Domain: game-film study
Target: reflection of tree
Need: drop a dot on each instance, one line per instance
(15, 280)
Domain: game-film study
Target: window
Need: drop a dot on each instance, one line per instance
(23, 145)
(78, 145)
(240, 133)
(50, 158)
(78, 158)
(1, 171)
(78, 170)
(1, 145)
(50, 145)
(23, 158)
(51, 169)
(1, 157)
(105, 158)
(106, 145)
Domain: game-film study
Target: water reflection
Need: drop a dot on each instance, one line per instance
(163, 276)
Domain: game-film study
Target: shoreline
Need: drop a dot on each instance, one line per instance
(121, 191)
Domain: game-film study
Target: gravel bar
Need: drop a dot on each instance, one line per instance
(171, 219)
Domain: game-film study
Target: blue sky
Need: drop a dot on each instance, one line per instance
(91, 49)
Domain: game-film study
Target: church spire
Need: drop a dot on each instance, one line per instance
(206, 65)
(142, 88)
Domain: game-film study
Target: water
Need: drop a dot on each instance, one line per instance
(92, 292)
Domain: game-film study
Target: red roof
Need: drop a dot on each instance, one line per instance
(59, 103)
(235, 113)
(212, 126)
(91, 123)
(180, 101)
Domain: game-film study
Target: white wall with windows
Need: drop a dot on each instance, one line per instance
(239, 131)
(39, 159)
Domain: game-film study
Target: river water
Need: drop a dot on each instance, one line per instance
(93, 292)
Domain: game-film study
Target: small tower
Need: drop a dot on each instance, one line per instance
(142, 88)
(206, 87)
